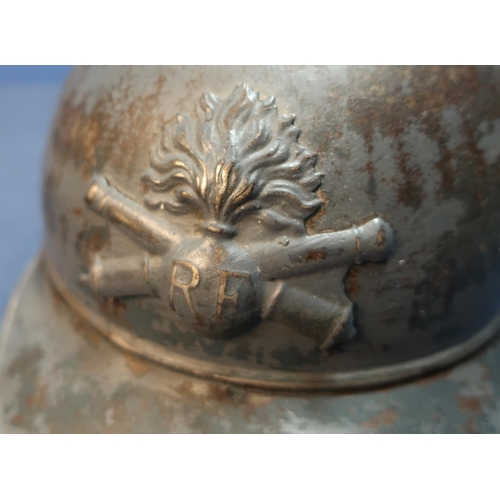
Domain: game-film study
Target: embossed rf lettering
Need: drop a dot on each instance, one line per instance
(222, 296)
(185, 287)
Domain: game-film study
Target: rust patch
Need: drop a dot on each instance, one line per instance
(185, 388)
(85, 329)
(223, 393)
(75, 138)
(97, 242)
(17, 420)
(380, 96)
(137, 365)
(391, 99)
(214, 393)
(38, 400)
(410, 190)
(25, 361)
(471, 427)
(351, 282)
(220, 393)
(115, 131)
(91, 241)
(371, 186)
(78, 212)
(470, 404)
(381, 237)
(31, 395)
(57, 297)
(313, 255)
(383, 419)
(79, 324)
(219, 254)
(113, 306)
(312, 221)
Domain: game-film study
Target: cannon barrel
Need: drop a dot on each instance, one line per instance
(147, 229)
(328, 322)
(373, 242)
(125, 276)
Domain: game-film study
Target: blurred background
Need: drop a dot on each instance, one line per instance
(28, 100)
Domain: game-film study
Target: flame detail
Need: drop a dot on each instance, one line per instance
(238, 156)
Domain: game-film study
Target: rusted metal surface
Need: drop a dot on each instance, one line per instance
(59, 375)
(416, 146)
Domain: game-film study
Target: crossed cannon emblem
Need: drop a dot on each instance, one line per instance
(238, 159)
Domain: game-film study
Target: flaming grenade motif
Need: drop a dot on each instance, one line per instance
(238, 159)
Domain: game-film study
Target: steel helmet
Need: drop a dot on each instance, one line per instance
(270, 228)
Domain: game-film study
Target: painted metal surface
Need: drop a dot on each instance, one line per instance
(58, 374)
(415, 147)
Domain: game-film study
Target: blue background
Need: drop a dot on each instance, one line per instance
(28, 101)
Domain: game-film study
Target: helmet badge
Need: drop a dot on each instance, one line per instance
(234, 161)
